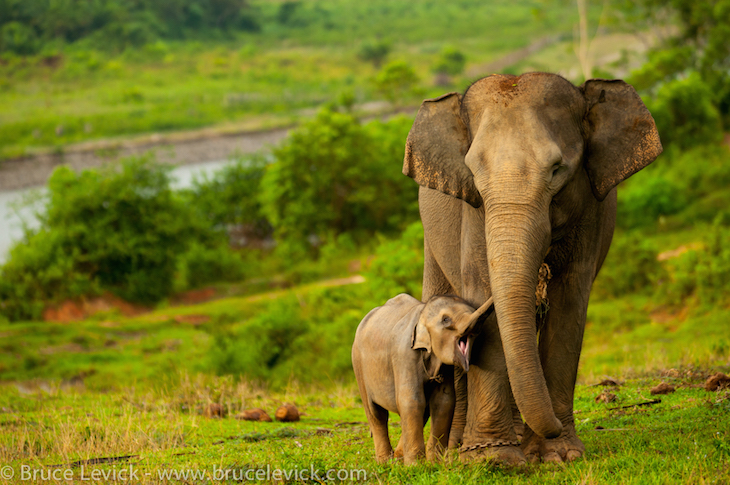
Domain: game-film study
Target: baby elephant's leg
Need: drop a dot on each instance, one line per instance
(378, 418)
(398, 452)
(441, 402)
(411, 419)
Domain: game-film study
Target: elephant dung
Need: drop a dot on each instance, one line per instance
(717, 382)
(256, 414)
(662, 388)
(287, 413)
(606, 396)
(214, 410)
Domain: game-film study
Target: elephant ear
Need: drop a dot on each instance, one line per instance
(435, 150)
(622, 135)
(421, 337)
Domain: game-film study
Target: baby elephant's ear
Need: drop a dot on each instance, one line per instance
(421, 338)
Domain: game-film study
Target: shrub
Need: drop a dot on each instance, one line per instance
(374, 52)
(202, 265)
(115, 230)
(397, 81)
(333, 175)
(229, 199)
(451, 62)
(631, 267)
(398, 266)
(647, 197)
(702, 275)
(685, 114)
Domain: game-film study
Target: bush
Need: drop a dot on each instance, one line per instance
(202, 265)
(397, 81)
(648, 197)
(398, 266)
(102, 230)
(451, 62)
(702, 275)
(685, 114)
(631, 267)
(374, 52)
(333, 175)
(229, 199)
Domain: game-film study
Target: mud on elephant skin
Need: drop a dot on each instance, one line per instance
(518, 171)
(403, 356)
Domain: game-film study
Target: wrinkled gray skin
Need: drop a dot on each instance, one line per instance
(521, 170)
(399, 349)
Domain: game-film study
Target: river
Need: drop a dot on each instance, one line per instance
(12, 217)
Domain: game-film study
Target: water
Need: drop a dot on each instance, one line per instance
(11, 219)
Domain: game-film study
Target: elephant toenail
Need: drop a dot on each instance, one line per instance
(573, 455)
(552, 457)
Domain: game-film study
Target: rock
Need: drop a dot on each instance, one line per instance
(214, 410)
(287, 413)
(662, 388)
(256, 414)
(717, 382)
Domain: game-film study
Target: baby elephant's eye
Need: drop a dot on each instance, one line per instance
(446, 320)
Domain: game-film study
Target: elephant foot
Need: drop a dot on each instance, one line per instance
(501, 455)
(566, 447)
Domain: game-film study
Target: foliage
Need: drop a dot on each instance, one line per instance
(39, 270)
(685, 114)
(114, 230)
(646, 199)
(631, 267)
(229, 199)
(701, 44)
(374, 52)
(85, 89)
(702, 274)
(113, 23)
(398, 265)
(335, 175)
(451, 61)
(204, 264)
(396, 82)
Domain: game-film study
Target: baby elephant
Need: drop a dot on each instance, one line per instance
(398, 354)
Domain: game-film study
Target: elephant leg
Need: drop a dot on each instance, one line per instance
(441, 403)
(398, 452)
(378, 420)
(411, 420)
(561, 339)
(435, 281)
(489, 432)
(458, 423)
(517, 421)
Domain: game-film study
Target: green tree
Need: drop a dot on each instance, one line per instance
(374, 52)
(451, 62)
(396, 81)
(701, 44)
(334, 175)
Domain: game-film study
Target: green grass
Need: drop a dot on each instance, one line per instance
(252, 81)
(683, 439)
(112, 386)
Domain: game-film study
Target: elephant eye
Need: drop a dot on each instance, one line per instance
(556, 168)
(446, 320)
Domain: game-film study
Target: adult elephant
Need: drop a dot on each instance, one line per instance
(518, 171)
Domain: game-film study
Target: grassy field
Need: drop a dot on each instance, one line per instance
(116, 386)
(252, 80)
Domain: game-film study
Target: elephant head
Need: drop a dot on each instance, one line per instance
(447, 327)
(529, 150)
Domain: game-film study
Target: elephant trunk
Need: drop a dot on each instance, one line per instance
(518, 236)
